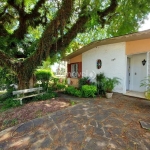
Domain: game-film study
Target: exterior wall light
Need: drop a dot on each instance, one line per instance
(144, 62)
(99, 64)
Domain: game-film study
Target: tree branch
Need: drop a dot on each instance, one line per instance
(3, 31)
(2, 13)
(5, 60)
(64, 41)
(45, 43)
(78, 27)
(34, 13)
(107, 11)
(12, 3)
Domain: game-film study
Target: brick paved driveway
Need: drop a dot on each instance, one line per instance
(93, 124)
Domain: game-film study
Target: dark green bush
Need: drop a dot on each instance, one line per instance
(78, 93)
(10, 103)
(55, 80)
(86, 91)
(45, 96)
(89, 90)
(85, 81)
(50, 89)
(70, 90)
(43, 74)
(100, 84)
(60, 86)
(110, 83)
(73, 91)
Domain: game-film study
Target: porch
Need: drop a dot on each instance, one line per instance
(135, 94)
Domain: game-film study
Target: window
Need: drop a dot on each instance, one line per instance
(74, 70)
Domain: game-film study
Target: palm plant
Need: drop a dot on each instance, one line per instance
(146, 83)
(100, 84)
(110, 83)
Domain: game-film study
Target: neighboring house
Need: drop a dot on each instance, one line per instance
(59, 69)
(126, 57)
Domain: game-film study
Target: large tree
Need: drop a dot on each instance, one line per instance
(36, 29)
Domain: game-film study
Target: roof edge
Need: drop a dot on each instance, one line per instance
(123, 38)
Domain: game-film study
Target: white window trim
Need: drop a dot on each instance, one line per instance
(74, 70)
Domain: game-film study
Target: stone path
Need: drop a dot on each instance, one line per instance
(96, 124)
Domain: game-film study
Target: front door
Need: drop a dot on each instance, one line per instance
(137, 72)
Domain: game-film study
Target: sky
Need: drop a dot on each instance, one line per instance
(146, 24)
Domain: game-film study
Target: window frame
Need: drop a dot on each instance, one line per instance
(74, 70)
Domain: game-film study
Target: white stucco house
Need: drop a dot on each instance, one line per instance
(126, 57)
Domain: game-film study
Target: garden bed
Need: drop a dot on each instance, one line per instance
(30, 111)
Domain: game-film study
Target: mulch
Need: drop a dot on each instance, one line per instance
(30, 111)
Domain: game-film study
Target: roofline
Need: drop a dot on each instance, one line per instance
(124, 38)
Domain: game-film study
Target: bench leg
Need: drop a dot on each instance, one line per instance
(20, 101)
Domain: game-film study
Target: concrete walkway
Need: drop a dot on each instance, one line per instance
(94, 124)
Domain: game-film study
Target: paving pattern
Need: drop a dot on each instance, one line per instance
(93, 124)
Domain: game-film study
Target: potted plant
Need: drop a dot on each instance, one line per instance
(99, 82)
(109, 84)
(146, 83)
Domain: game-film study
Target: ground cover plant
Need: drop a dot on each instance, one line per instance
(31, 110)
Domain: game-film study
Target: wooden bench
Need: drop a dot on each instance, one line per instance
(26, 93)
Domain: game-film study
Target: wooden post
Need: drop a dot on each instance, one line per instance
(21, 101)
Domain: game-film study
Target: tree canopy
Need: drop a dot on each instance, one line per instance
(36, 29)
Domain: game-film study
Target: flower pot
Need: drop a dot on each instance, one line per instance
(147, 95)
(109, 95)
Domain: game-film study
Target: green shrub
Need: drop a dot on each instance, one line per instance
(60, 86)
(10, 103)
(70, 90)
(73, 91)
(50, 89)
(78, 93)
(109, 84)
(43, 75)
(5, 96)
(45, 96)
(85, 81)
(55, 80)
(88, 90)
(100, 84)
(146, 83)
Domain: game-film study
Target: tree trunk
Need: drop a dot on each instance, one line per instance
(32, 81)
(23, 81)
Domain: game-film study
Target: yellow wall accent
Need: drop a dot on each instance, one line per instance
(76, 59)
(74, 81)
(139, 46)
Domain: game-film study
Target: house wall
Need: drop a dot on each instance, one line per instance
(76, 59)
(139, 46)
(74, 81)
(113, 60)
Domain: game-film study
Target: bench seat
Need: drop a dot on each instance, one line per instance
(21, 93)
